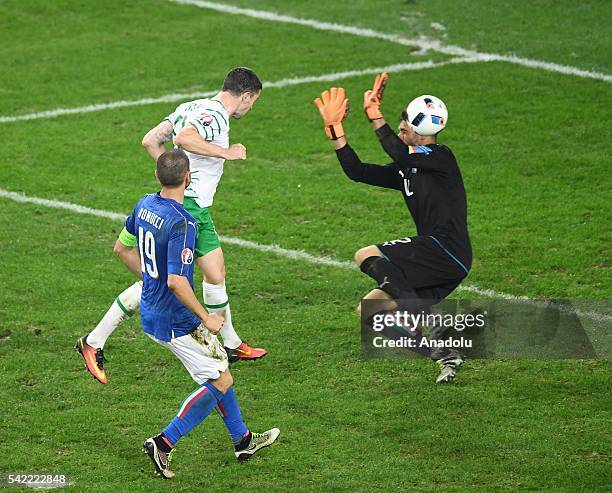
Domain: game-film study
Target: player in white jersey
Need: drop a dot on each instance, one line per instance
(211, 121)
(201, 129)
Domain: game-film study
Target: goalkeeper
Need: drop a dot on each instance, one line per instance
(419, 271)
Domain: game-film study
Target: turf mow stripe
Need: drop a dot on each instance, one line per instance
(278, 84)
(425, 44)
(298, 255)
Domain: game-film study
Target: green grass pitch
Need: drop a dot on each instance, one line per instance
(534, 151)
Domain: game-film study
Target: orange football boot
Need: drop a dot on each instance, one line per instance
(244, 351)
(94, 359)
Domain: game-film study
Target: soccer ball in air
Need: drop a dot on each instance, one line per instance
(427, 115)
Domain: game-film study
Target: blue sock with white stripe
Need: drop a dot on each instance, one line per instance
(193, 411)
(229, 410)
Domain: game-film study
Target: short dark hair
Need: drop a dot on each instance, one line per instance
(241, 80)
(171, 168)
(404, 116)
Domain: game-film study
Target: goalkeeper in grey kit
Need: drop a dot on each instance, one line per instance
(412, 273)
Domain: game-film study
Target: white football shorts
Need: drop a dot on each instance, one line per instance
(200, 352)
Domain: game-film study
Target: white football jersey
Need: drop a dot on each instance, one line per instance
(211, 121)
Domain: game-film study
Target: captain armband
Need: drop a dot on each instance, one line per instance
(127, 239)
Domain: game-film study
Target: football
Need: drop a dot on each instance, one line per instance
(427, 115)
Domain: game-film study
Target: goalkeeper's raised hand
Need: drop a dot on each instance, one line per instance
(373, 97)
(333, 107)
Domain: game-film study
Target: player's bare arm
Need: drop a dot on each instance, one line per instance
(129, 256)
(155, 139)
(181, 288)
(190, 140)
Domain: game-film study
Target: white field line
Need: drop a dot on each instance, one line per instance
(58, 204)
(278, 84)
(422, 42)
(299, 255)
(168, 98)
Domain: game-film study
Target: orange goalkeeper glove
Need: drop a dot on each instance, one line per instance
(373, 97)
(333, 107)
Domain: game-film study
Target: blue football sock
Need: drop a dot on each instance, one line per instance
(193, 411)
(229, 410)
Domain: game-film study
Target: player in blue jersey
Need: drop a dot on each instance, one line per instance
(201, 128)
(172, 316)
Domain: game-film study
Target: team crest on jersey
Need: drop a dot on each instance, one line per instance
(205, 119)
(187, 256)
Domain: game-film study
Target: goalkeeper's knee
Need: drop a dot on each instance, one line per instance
(392, 281)
(129, 300)
(389, 278)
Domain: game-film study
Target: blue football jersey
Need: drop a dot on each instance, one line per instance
(166, 234)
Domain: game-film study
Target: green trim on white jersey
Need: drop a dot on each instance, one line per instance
(211, 120)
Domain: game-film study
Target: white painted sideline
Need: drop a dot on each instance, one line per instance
(277, 84)
(285, 252)
(422, 42)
